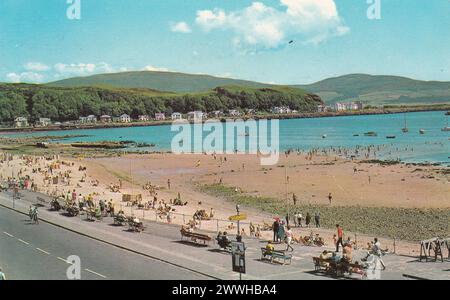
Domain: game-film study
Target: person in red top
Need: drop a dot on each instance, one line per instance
(340, 235)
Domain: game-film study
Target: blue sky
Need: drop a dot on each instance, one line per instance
(230, 38)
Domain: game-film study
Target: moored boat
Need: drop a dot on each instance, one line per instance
(371, 133)
(446, 128)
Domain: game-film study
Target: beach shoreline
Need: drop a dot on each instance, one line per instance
(99, 125)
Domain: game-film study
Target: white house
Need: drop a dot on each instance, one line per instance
(320, 108)
(358, 105)
(217, 113)
(281, 110)
(250, 111)
(160, 116)
(343, 106)
(144, 118)
(105, 119)
(177, 116)
(195, 115)
(21, 122)
(339, 106)
(43, 122)
(124, 118)
(234, 113)
(88, 119)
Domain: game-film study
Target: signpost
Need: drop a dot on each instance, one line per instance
(238, 247)
(238, 258)
(238, 217)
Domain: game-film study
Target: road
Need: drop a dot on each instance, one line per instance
(40, 252)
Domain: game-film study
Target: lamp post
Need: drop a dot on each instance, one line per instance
(286, 181)
(238, 212)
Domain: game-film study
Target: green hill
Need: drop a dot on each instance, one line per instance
(372, 90)
(162, 81)
(380, 90)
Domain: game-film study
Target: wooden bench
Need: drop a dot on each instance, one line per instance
(272, 256)
(194, 237)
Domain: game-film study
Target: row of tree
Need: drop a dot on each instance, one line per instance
(65, 104)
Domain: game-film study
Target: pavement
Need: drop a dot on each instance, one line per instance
(30, 251)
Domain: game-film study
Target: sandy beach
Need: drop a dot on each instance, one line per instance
(353, 184)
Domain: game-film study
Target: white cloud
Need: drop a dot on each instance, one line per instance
(30, 77)
(155, 69)
(211, 19)
(181, 27)
(259, 26)
(225, 75)
(36, 66)
(82, 69)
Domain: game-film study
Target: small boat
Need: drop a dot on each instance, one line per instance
(356, 134)
(446, 128)
(391, 137)
(371, 133)
(405, 129)
(422, 131)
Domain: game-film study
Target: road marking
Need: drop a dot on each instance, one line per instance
(43, 251)
(62, 259)
(22, 241)
(90, 271)
(10, 235)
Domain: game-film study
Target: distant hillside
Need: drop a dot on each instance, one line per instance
(69, 103)
(162, 81)
(372, 90)
(380, 90)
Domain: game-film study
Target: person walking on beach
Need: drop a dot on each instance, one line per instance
(299, 219)
(276, 226)
(377, 252)
(168, 183)
(289, 239)
(307, 220)
(317, 220)
(281, 232)
(294, 199)
(330, 198)
(340, 235)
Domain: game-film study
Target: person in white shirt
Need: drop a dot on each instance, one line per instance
(376, 251)
(288, 234)
(2, 275)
